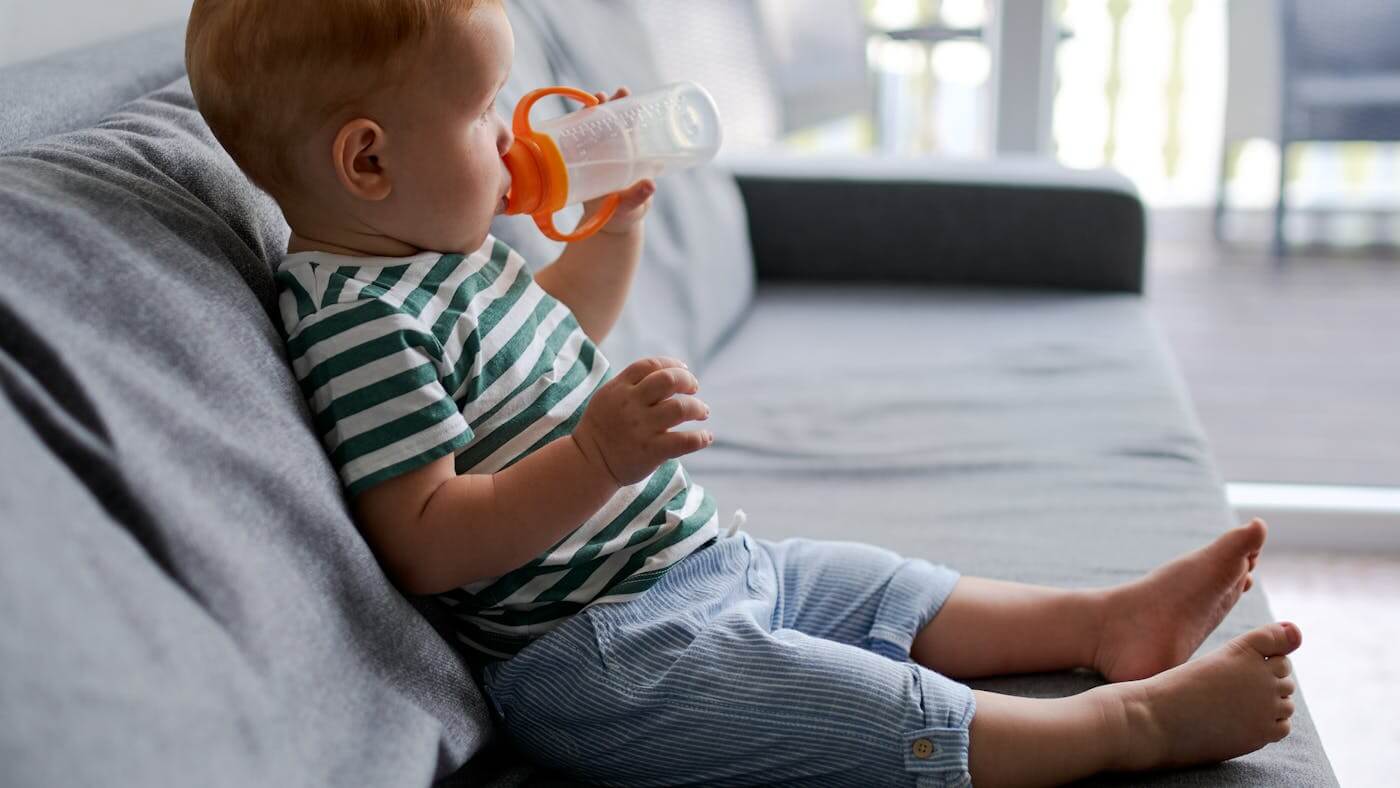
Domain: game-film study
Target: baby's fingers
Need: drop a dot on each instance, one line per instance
(641, 368)
(638, 193)
(664, 382)
(619, 93)
(678, 409)
(675, 444)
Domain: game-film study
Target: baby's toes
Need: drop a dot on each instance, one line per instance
(1286, 688)
(1283, 709)
(1255, 532)
(1271, 640)
(1281, 667)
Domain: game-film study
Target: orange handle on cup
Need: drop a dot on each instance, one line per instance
(539, 181)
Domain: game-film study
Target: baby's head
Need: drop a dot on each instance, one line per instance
(371, 122)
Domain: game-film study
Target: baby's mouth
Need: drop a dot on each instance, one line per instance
(504, 204)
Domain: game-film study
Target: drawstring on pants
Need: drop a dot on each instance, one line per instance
(735, 522)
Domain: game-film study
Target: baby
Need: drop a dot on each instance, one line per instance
(494, 459)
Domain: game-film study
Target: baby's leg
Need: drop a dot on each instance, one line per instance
(989, 627)
(622, 696)
(1230, 702)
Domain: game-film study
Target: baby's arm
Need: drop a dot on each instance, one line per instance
(592, 276)
(434, 530)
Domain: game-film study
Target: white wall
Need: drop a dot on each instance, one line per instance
(33, 28)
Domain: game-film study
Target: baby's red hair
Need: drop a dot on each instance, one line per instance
(266, 73)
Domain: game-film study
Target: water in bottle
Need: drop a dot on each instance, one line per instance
(604, 148)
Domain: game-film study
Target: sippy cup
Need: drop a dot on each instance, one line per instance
(604, 148)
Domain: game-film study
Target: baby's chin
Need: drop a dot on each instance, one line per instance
(473, 243)
(463, 239)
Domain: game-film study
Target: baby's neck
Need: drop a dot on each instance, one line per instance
(366, 246)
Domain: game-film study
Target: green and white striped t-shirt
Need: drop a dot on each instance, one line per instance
(404, 360)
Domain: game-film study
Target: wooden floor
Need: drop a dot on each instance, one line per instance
(1294, 370)
(1345, 606)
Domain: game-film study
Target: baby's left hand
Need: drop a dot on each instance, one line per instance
(634, 200)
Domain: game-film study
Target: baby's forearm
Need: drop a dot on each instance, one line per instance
(592, 278)
(478, 526)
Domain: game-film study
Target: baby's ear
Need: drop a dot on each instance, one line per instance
(357, 154)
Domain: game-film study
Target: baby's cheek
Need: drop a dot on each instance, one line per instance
(483, 185)
(462, 185)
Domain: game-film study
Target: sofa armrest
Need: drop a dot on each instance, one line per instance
(1008, 222)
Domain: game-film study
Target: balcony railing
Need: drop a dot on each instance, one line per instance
(1139, 85)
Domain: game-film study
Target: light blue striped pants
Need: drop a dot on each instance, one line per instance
(749, 663)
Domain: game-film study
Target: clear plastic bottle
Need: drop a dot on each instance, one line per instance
(604, 148)
(612, 146)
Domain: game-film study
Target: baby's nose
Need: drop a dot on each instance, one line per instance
(505, 140)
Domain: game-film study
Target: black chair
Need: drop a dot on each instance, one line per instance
(1339, 81)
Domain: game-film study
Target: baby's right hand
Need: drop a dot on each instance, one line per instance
(626, 428)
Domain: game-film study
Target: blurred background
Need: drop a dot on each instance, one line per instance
(1262, 136)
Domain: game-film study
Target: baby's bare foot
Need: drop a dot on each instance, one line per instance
(1229, 702)
(1158, 622)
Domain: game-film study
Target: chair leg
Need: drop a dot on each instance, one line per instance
(1218, 222)
(1280, 248)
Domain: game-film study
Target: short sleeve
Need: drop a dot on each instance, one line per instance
(372, 378)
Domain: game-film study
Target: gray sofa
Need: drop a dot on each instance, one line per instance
(954, 362)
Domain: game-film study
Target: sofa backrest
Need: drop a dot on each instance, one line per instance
(184, 590)
(74, 89)
(696, 277)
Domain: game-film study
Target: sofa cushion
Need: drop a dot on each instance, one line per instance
(222, 589)
(112, 666)
(1031, 436)
(696, 275)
